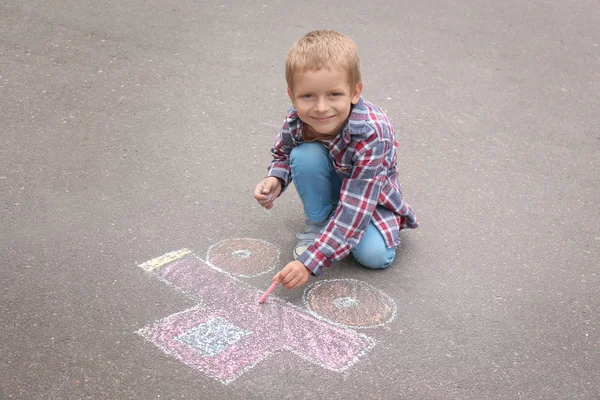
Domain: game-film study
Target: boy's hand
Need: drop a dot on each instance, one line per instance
(267, 191)
(293, 275)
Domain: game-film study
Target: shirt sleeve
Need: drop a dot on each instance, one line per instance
(358, 199)
(279, 166)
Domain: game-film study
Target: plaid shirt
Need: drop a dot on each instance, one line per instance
(364, 155)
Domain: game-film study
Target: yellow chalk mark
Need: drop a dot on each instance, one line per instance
(158, 262)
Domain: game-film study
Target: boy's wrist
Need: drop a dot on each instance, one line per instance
(281, 183)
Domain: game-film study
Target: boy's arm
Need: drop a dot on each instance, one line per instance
(358, 199)
(279, 167)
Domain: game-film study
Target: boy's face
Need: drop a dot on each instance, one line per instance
(323, 99)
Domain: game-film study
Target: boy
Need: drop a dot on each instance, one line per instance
(340, 151)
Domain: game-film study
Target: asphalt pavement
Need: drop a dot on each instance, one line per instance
(132, 134)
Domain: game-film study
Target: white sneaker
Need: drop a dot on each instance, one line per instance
(310, 234)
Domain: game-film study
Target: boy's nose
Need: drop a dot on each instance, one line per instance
(321, 105)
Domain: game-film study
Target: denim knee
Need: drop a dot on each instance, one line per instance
(371, 251)
(375, 258)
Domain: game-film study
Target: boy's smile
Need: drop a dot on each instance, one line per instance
(323, 99)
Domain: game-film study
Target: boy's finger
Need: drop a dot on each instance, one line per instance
(293, 283)
(286, 275)
(278, 278)
(258, 194)
(264, 197)
(265, 202)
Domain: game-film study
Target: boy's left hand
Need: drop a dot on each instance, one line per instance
(293, 275)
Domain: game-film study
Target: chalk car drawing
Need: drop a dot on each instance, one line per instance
(228, 332)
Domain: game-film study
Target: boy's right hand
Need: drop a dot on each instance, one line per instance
(267, 191)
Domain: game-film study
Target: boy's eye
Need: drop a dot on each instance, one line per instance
(306, 96)
(337, 94)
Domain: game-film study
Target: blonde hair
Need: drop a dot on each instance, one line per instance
(323, 49)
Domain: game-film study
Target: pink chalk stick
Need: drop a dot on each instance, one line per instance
(268, 292)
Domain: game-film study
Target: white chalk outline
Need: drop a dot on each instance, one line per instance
(360, 283)
(273, 264)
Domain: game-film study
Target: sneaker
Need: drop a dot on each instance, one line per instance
(309, 236)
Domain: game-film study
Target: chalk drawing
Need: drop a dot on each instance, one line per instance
(349, 303)
(164, 259)
(244, 257)
(213, 336)
(345, 302)
(229, 333)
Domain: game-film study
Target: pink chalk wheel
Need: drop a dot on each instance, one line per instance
(243, 257)
(349, 302)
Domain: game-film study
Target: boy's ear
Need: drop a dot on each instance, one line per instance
(289, 93)
(357, 91)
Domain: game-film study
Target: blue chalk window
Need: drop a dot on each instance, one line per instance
(213, 336)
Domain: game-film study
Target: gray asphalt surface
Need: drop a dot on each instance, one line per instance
(130, 129)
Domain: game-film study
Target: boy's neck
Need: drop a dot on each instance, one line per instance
(310, 135)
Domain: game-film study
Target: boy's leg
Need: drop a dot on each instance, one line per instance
(316, 182)
(317, 185)
(371, 251)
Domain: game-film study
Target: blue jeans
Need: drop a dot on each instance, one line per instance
(319, 187)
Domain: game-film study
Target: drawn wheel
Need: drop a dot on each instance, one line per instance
(350, 302)
(243, 257)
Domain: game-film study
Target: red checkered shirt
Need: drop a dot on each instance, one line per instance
(364, 155)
